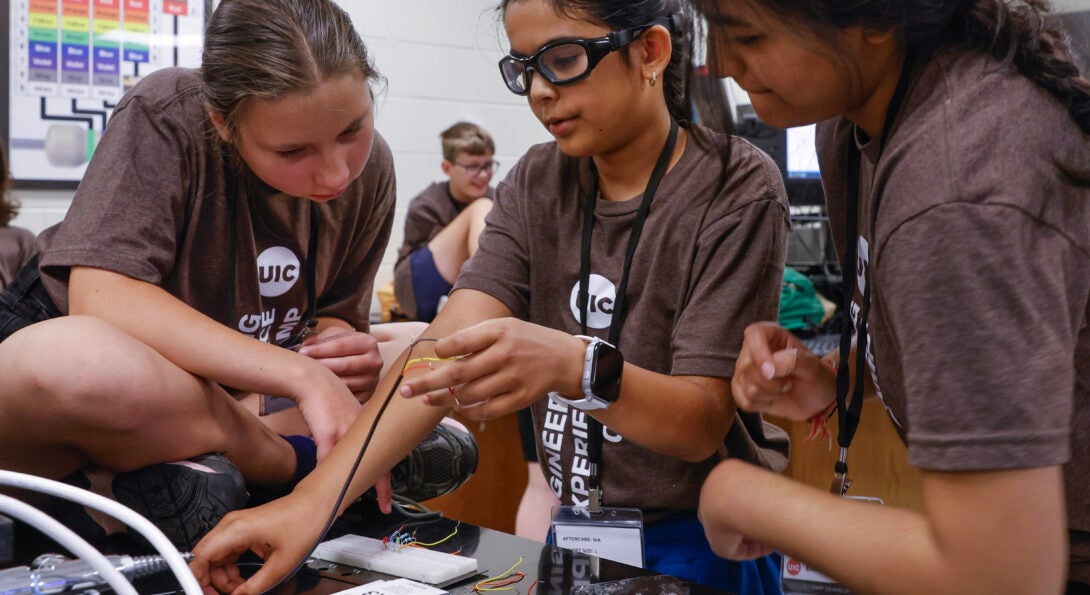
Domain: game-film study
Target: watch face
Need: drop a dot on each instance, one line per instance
(608, 365)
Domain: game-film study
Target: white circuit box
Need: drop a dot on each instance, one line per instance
(418, 564)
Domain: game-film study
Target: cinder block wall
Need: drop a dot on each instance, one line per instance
(439, 59)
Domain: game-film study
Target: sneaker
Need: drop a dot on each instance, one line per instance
(438, 465)
(441, 463)
(88, 523)
(185, 499)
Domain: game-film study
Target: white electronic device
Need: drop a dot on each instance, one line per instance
(418, 564)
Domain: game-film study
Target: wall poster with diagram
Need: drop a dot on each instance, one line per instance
(68, 63)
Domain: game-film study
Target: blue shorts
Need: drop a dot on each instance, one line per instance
(428, 285)
(676, 546)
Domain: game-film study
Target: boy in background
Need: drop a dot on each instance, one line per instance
(444, 221)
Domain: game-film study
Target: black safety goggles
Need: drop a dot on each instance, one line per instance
(567, 61)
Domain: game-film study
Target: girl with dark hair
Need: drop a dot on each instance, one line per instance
(632, 218)
(17, 245)
(227, 211)
(956, 164)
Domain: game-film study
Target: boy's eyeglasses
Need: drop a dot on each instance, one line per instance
(567, 61)
(478, 168)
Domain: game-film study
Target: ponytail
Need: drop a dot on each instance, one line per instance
(1018, 33)
(675, 79)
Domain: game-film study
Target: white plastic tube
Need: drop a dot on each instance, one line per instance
(69, 540)
(119, 511)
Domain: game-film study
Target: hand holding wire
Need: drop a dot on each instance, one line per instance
(261, 530)
(497, 367)
(777, 374)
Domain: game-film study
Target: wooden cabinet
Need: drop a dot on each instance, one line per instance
(876, 461)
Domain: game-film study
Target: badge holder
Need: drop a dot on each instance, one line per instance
(799, 579)
(606, 532)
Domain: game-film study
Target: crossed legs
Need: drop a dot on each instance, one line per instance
(78, 391)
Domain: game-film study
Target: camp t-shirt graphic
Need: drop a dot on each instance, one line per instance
(564, 436)
(279, 271)
(862, 273)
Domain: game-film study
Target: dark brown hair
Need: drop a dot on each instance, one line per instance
(267, 49)
(9, 207)
(1014, 31)
(623, 14)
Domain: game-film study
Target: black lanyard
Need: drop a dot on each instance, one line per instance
(594, 427)
(848, 413)
(312, 267)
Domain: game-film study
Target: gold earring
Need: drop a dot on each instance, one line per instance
(654, 78)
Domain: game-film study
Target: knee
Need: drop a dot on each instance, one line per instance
(479, 208)
(73, 364)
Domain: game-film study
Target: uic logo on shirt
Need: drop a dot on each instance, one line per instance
(277, 270)
(600, 307)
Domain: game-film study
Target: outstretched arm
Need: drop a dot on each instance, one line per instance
(509, 364)
(981, 532)
(282, 532)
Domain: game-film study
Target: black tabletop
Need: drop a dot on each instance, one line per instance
(547, 569)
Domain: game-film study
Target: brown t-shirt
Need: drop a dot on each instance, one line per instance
(17, 245)
(980, 271)
(163, 202)
(709, 263)
(428, 213)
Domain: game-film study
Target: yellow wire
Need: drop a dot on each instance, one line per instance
(417, 360)
(478, 586)
(441, 540)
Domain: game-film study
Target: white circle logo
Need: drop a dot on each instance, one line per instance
(277, 271)
(602, 297)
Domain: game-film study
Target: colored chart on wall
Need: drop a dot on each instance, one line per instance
(70, 61)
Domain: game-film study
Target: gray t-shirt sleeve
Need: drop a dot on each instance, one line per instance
(982, 329)
(738, 277)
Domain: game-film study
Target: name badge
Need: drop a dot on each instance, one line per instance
(614, 533)
(799, 579)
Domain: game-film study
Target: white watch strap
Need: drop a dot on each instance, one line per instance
(584, 404)
(589, 402)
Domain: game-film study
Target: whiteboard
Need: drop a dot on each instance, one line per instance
(69, 62)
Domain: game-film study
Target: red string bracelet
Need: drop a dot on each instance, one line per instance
(819, 423)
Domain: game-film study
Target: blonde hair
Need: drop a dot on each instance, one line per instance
(467, 138)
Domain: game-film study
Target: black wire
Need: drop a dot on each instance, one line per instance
(355, 466)
(405, 505)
